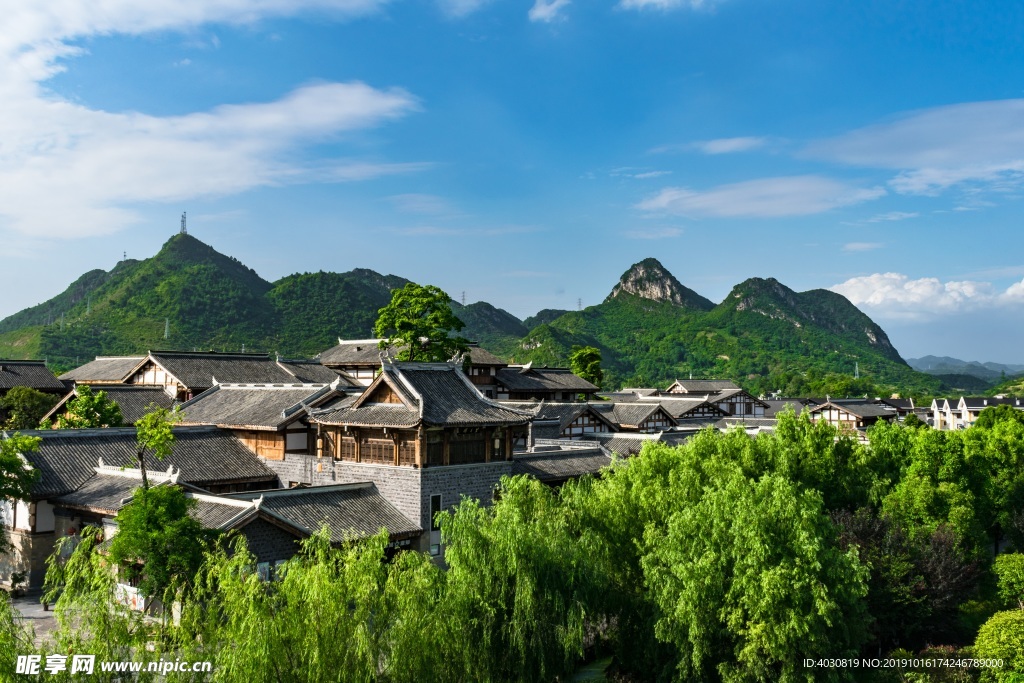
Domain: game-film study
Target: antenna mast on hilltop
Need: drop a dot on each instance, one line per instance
(184, 229)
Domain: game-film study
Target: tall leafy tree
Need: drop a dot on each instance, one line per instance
(585, 361)
(90, 410)
(159, 541)
(420, 322)
(750, 581)
(520, 586)
(16, 475)
(154, 434)
(25, 407)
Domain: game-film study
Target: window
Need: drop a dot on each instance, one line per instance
(435, 510)
(435, 528)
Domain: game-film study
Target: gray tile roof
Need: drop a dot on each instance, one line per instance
(861, 409)
(348, 510)
(204, 455)
(479, 356)
(260, 406)
(216, 512)
(104, 369)
(640, 391)
(523, 379)
(679, 407)
(558, 466)
(438, 393)
(134, 400)
(28, 373)
(982, 402)
(353, 352)
(448, 398)
(626, 446)
(776, 406)
(747, 422)
(102, 492)
(629, 415)
(202, 370)
(312, 372)
(702, 386)
(563, 412)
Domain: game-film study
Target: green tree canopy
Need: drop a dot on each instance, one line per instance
(419, 321)
(154, 433)
(158, 540)
(25, 407)
(16, 475)
(989, 417)
(585, 361)
(90, 410)
(1009, 569)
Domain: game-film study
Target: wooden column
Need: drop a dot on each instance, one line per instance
(358, 446)
(447, 450)
(396, 440)
(508, 443)
(420, 436)
(488, 445)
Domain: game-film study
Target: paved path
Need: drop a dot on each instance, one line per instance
(32, 613)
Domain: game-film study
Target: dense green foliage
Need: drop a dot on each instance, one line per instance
(585, 361)
(729, 558)
(25, 407)
(419, 322)
(315, 309)
(796, 344)
(153, 434)
(1002, 638)
(158, 542)
(89, 410)
(16, 478)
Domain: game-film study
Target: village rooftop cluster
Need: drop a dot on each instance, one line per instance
(355, 441)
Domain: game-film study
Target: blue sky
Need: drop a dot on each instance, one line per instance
(528, 151)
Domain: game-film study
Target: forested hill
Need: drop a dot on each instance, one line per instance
(650, 328)
(764, 335)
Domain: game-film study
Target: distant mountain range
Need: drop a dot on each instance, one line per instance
(650, 329)
(944, 365)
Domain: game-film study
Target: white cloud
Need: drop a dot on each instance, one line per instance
(460, 8)
(862, 246)
(651, 174)
(767, 198)
(547, 10)
(636, 173)
(892, 216)
(730, 145)
(896, 295)
(68, 170)
(665, 4)
(935, 149)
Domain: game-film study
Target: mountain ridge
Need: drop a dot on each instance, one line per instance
(650, 328)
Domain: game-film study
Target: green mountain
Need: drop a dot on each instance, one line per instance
(650, 329)
(495, 329)
(191, 296)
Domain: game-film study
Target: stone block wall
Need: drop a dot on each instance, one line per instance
(269, 542)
